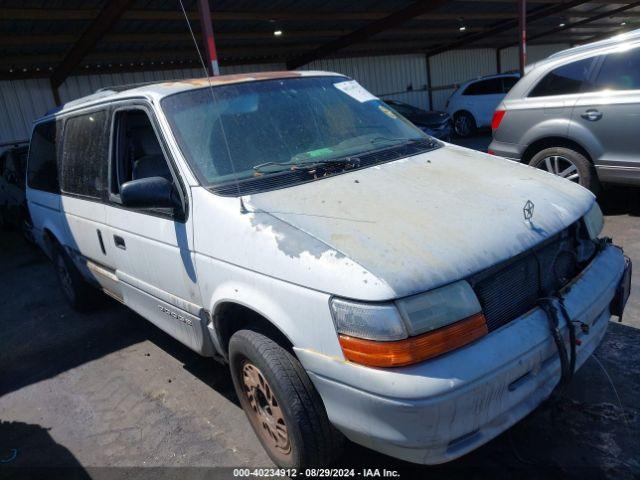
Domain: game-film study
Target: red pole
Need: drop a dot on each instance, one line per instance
(207, 37)
(522, 29)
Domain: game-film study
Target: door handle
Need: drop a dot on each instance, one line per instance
(104, 252)
(592, 115)
(119, 241)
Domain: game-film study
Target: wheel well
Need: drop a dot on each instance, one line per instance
(543, 143)
(459, 112)
(229, 317)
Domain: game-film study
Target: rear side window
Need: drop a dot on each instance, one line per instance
(85, 153)
(620, 71)
(508, 83)
(42, 173)
(485, 87)
(565, 80)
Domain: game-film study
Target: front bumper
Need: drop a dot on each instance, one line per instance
(440, 409)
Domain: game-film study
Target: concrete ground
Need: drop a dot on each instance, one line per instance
(110, 389)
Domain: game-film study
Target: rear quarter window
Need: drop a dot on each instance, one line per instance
(42, 171)
(485, 87)
(620, 71)
(565, 80)
(508, 83)
(85, 155)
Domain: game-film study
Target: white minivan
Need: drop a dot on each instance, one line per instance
(360, 278)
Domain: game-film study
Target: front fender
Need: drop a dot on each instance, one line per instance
(301, 314)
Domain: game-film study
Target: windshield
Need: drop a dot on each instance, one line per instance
(241, 132)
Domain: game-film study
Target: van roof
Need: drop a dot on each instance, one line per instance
(163, 88)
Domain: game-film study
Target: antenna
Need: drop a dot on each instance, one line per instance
(213, 98)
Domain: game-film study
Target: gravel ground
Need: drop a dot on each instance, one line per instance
(110, 389)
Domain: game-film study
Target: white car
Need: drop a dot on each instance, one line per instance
(360, 278)
(472, 104)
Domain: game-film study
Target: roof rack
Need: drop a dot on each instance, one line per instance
(615, 40)
(100, 93)
(125, 87)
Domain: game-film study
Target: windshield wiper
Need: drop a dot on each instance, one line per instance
(395, 140)
(276, 167)
(347, 160)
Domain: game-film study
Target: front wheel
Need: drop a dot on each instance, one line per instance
(281, 403)
(568, 164)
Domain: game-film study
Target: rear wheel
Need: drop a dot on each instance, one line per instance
(281, 403)
(568, 164)
(80, 294)
(464, 125)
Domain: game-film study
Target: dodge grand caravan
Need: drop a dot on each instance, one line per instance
(360, 278)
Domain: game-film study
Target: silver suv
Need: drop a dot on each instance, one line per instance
(576, 114)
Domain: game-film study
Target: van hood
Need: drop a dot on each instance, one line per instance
(427, 220)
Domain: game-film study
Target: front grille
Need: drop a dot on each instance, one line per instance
(512, 288)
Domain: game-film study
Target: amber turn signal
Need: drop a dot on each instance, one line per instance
(414, 349)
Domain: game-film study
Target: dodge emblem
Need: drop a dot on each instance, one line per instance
(527, 210)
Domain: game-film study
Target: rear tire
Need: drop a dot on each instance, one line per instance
(464, 125)
(282, 405)
(80, 294)
(569, 164)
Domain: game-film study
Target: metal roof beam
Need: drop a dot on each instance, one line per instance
(332, 16)
(580, 23)
(411, 11)
(184, 37)
(537, 14)
(105, 20)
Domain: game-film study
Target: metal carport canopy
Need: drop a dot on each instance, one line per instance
(49, 39)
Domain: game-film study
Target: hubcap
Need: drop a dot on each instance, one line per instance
(561, 166)
(462, 125)
(265, 409)
(64, 276)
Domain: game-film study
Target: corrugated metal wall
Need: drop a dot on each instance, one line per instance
(23, 101)
(399, 77)
(509, 56)
(457, 66)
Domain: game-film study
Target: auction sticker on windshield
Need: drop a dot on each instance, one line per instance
(355, 90)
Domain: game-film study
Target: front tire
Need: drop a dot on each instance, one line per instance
(569, 164)
(281, 403)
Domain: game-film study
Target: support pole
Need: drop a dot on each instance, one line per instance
(208, 40)
(498, 60)
(429, 82)
(522, 30)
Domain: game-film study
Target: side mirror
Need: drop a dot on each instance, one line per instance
(151, 192)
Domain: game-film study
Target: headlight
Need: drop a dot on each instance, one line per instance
(374, 321)
(411, 330)
(594, 221)
(431, 310)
